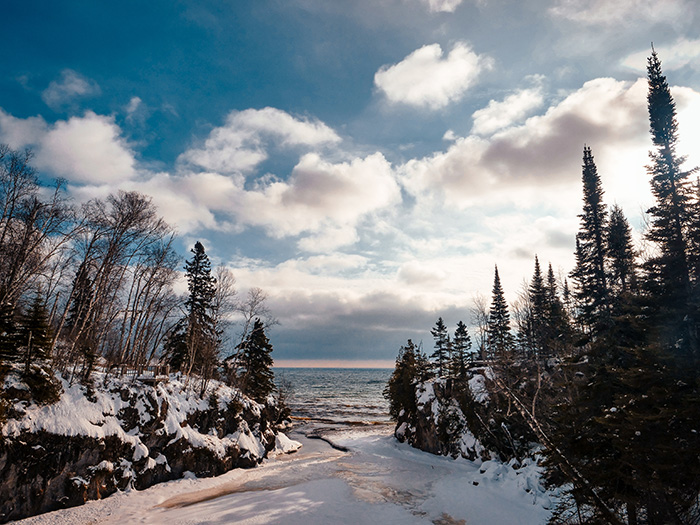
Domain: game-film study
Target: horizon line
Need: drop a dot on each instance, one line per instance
(333, 363)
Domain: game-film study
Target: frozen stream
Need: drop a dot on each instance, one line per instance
(378, 480)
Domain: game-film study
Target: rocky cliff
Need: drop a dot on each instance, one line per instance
(86, 442)
(439, 425)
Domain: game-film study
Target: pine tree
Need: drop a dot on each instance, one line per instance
(34, 334)
(257, 375)
(590, 276)
(558, 332)
(668, 273)
(195, 335)
(499, 338)
(8, 327)
(620, 252)
(440, 355)
(461, 350)
(538, 311)
(400, 390)
(82, 296)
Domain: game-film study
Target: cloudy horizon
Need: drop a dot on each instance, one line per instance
(365, 163)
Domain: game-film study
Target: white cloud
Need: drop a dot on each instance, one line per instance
(87, 149)
(538, 161)
(240, 145)
(329, 239)
(70, 86)
(427, 79)
(320, 196)
(622, 12)
(444, 6)
(511, 110)
(681, 53)
(20, 133)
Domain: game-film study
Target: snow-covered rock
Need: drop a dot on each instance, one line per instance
(123, 434)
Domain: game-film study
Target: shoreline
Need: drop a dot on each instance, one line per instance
(377, 480)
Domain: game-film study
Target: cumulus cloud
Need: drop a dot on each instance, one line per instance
(70, 86)
(239, 145)
(320, 197)
(621, 12)
(681, 53)
(87, 149)
(544, 152)
(511, 110)
(427, 79)
(321, 201)
(445, 6)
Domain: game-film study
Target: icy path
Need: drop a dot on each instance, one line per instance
(377, 481)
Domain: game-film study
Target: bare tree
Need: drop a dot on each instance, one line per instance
(480, 317)
(225, 303)
(254, 306)
(122, 234)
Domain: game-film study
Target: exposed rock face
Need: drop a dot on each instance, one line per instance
(439, 425)
(92, 443)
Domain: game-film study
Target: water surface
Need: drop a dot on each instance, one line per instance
(337, 395)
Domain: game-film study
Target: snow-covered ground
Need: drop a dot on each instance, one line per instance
(378, 481)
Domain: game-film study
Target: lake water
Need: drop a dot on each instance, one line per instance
(347, 396)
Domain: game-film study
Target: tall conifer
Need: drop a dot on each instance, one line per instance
(590, 275)
(499, 338)
(439, 356)
(620, 252)
(668, 273)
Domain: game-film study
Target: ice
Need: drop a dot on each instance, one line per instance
(378, 481)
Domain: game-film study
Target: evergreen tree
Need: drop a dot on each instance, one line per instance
(257, 375)
(590, 275)
(82, 296)
(34, 334)
(461, 351)
(440, 355)
(175, 345)
(400, 390)
(8, 327)
(193, 344)
(668, 273)
(538, 311)
(620, 252)
(499, 338)
(558, 332)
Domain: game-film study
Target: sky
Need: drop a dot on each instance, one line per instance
(365, 162)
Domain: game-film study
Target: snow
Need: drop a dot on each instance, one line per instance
(477, 386)
(284, 445)
(378, 481)
(75, 414)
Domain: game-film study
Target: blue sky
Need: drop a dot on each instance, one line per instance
(364, 162)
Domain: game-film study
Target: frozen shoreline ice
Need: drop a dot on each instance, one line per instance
(378, 481)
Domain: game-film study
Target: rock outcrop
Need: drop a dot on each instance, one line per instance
(439, 425)
(94, 441)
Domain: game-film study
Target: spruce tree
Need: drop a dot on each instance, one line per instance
(34, 334)
(620, 252)
(461, 351)
(193, 343)
(668, 273)
(499, 337)
(8, 349)
(590, 276)
(558, 332)
(400, 391)
(439, 356)
(538, 311)
(257, 375)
